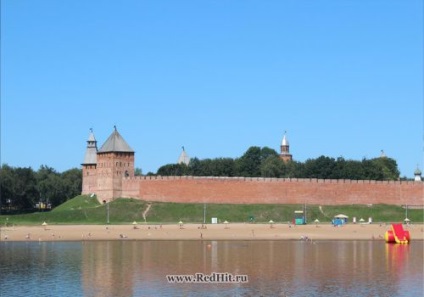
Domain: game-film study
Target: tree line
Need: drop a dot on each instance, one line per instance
(26, 189)
(265, 162)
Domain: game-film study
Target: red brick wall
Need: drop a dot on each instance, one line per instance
(111, 168)
(272, 190)
(89, 179)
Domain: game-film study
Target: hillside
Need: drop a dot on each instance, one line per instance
(87, 210)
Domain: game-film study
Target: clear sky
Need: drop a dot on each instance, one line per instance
(343, 78)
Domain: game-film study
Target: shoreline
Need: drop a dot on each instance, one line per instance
(234, 231)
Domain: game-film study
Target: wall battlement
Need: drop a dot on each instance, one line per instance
(270, 179)
(247, 190)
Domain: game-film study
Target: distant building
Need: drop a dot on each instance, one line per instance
(417, 174)
(285, 149)
(183, 158)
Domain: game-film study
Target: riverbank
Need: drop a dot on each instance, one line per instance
(236, 231)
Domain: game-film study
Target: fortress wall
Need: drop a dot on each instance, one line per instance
(239, 190)
(131, 187)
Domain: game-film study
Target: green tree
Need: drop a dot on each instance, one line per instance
(249, 164)
(387, 167)
(272, 166)
(25, 193)
(173, 170)
(322, 167)
(7, 180)
(72, 180)
(224, 167)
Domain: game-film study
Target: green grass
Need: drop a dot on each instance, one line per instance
(83, 210)
(87, 210)
(262, 213)
(79, 202)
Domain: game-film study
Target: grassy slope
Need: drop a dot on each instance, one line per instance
(86, 210)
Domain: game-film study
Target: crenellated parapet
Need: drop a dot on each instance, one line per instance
(258, 190)
(269, 179)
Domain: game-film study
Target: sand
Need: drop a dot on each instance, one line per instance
(236, 231)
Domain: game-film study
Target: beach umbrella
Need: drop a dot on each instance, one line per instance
(271, 223)
(407, 220)
(341, 216)
(134, 224)
(44, 225)
(181, 224)
(362, 220)
(226, 224)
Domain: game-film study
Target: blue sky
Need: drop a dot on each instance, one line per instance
(343, 78)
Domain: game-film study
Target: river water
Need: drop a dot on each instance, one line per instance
(265, 268)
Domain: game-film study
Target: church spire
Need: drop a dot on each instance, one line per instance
(285, 149)
(183, 158)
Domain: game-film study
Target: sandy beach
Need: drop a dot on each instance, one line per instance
(236, 231)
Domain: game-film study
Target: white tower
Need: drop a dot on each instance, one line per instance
(417, 174)
(285, 149)
(183, 158)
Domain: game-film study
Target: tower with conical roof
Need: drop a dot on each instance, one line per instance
(89, 166)
(115, 160)
(285, 149)
(183, 158)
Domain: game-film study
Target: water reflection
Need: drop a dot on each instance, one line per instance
(324, 268)
(278, 268)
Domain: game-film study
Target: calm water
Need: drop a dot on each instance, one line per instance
(274, 268)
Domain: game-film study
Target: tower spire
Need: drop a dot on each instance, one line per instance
(89, 165)
(285, 149)
(183, 158)
(91, 151)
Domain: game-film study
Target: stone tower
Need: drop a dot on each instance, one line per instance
(285, 149)
(89, 166)
(115, 160)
